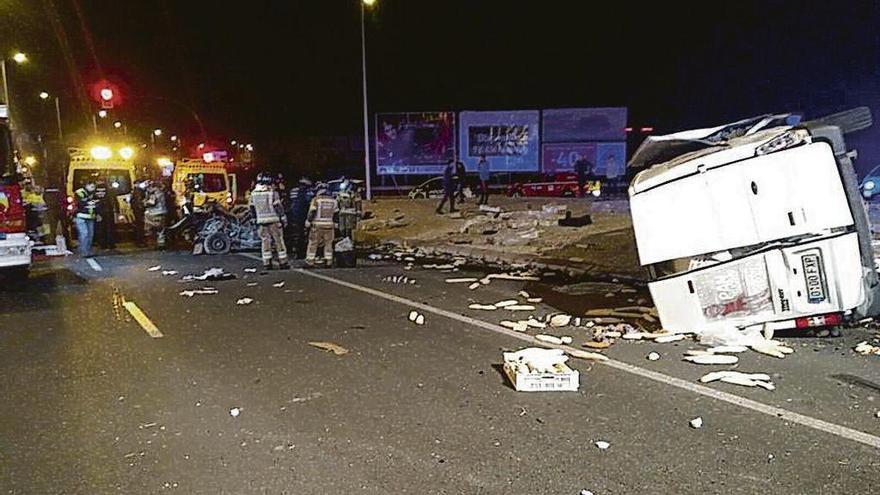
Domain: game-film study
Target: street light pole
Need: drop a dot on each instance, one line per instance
(366, 114)
(58, 119)
(6, 92)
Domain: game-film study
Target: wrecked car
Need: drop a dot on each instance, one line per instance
(755, 223)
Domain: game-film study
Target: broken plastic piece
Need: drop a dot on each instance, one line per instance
(463, 280)
(250, 270)
(413, 315)
(602, 445)
(330, 346)
(669, 338)
(420, 320)
(560, 320)
(711, 359)
(234, 412)
(550, 339)
(278, 285)
(475, 285)
(484, 307)
(244, 301)
(505, 303)
(697, 423)
(520, 307)
(653, 356)
(154, 268)
(717, 375)
(518, 326)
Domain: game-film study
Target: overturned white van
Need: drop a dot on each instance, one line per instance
(758, 222)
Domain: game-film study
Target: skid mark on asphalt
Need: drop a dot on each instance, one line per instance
(773, 411)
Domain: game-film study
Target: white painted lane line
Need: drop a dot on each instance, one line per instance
(94, 264)
(776, 412)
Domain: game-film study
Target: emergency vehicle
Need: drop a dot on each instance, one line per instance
(15, 246)
(113, 168)
(758, 223)
(210, 182)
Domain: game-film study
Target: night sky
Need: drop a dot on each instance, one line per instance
(268, 71)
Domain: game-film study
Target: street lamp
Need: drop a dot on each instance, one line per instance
(44, 95)
(233, 142)
(366, 3)
(19, 58)
(174, 138)
(118, 124)
(126, 152)
(157, 132)
(102, 113)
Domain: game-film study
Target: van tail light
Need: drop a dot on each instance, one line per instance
(829, 320)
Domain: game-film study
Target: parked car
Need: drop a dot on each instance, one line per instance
(870, 185)
(561, 185)
(433, 188)
(757, 224)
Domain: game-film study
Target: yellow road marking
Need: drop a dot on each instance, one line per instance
(141, 318)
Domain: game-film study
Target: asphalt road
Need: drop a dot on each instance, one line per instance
(92, 404)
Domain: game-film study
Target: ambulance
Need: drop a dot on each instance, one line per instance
(108, 167)
(209, 179)
(755, 224)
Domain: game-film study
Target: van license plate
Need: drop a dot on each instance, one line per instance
(814, 277)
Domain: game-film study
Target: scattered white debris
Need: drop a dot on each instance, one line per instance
(399, 279)
(602, 445)
(523, 294)
(711, 359)
(420, 320)
(535, 300)
(484, 307)
(697, 422)
(199, 292)
(566, 339)
(154, 268)
(727, 349)
(866, 349)
(234, 412)
(462, 280)
(252, 284)
(474, 286)
(278, 285)
(633, 336)
(665, 339)
(595, 356)
(518, 326)
(520, 307)
(244, 301)
(413, 315)
(169, 272)
(331, 347)
(250, 270)
(505, 303)
(717, 375)
(653, 356)
(586, 492)
(560, 320)
(550, 339)
(532, 322)
(878, 414)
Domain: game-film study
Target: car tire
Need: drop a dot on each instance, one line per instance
(217, 243)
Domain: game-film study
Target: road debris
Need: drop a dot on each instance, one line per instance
(399, 279)
(711, 359)
(462, 280)
(739, 378)
(598, 345)
(586, 492)
(602, 445)
(169, 272)
(154, 268)
(520, 307)
(278, 285)
(252, 284)
(665, 339)
(505, 303)
(331, 347)
(592, 356)
(532, 322)
(653, 356)
(727, 349)
(212, 274)
(550, 339)
(416, 317)
(518, 326)
(560, 320)
(199, 292)
(866, 349)
(535, 369)
(483, 307)
(244, 301)
(697, 423)
(234, 412)
(474, 286)
(250, 270)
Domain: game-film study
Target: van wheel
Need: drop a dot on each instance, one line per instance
(217, 243)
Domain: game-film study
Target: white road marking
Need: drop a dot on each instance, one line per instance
(94, 264)
(776, 412)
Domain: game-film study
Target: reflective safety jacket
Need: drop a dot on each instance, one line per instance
(86, 204)
(266, 204)
(322, 211)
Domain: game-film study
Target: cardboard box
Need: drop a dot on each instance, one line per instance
(567, 380)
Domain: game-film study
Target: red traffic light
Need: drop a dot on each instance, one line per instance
(106, 93)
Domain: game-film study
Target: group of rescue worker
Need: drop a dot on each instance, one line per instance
(308, 216)
(97, 207)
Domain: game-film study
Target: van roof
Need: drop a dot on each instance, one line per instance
(676, 155)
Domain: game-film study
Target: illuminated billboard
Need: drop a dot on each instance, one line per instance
(571, 125)
(509, 140)
(414, 142)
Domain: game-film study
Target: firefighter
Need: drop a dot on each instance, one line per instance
(299, 199)
(349, 208)
(266, 207)
(321, 222)
(86, 206)
(156, 212)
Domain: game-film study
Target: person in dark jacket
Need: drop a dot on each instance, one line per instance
(483, 169)
(299, 199)
(138, 196)
(449, 184)
(583, 167)
(106, 226)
